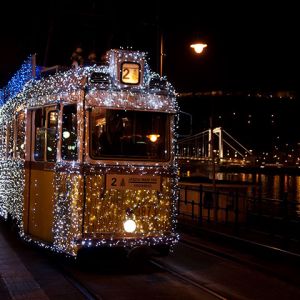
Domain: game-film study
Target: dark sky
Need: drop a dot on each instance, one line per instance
(251, 46)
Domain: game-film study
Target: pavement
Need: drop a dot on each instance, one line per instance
(16, 282)
(25, 273)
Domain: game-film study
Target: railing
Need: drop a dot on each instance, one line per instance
(204, 203)
(231, 208)
(276, 217)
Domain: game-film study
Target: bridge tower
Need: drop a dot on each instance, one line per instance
(219, 132)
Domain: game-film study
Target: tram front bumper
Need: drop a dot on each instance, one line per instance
(105, 240)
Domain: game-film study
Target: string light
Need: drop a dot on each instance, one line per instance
(154, 212)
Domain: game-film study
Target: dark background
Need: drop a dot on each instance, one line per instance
(252, 49)
(250, 45)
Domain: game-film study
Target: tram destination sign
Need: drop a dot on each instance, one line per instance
(136, 182)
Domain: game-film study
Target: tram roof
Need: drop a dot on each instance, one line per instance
(101, 87)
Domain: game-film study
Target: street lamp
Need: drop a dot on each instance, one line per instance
(198, 47)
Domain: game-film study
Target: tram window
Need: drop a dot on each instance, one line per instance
(134, 134)
(20, 138)
(45, 146)
(40, 132)
(51, 135)
(69, 133)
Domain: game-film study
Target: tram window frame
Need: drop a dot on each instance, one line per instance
(20, 135)
(69, 136)
(50, 154)
(42, 123)
(39, 135)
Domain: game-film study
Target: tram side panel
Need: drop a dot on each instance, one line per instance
(68, 210)
(41, 202)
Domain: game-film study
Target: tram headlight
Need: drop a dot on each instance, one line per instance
(129, 226)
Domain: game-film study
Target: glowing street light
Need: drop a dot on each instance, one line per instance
(198, 47)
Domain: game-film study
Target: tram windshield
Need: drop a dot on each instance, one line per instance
(129, 134)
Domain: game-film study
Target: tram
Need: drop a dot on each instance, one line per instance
(88, 156)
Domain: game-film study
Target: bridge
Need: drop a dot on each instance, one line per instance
(214, 145)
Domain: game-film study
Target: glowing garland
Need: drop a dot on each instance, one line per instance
(17, 82)
(68, 181)
(1, 97)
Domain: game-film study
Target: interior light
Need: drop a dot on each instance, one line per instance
(153, 137)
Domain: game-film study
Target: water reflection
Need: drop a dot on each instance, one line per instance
(269, 186)
(297, 182)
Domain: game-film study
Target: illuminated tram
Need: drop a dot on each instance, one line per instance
(87, 157)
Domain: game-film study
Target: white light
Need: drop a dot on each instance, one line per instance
(66, 134)
(198, 48)
(129, 226)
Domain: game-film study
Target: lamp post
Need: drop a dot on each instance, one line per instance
(161, 54)
(198, 48)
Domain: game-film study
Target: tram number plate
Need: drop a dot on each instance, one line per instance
(130, 73)
(136, 182)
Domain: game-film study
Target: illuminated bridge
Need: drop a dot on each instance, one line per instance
(214, 145)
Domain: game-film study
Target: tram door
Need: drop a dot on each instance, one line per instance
(41, 173)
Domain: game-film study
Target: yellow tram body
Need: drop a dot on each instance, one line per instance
(87, 157)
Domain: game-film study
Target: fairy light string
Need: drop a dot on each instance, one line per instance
(104, 209)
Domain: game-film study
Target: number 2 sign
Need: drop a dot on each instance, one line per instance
(130, 73)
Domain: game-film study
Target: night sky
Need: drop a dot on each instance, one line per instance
(250, 46)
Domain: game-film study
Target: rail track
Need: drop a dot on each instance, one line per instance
(153, 267)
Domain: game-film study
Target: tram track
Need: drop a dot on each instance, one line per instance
(182, 274)
(214, 252)
(93, 283)
(86, 292)
(175, 272)
(188, 280)
(83, 285)
(77, 283)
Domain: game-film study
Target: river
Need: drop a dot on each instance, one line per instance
(270, 186)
